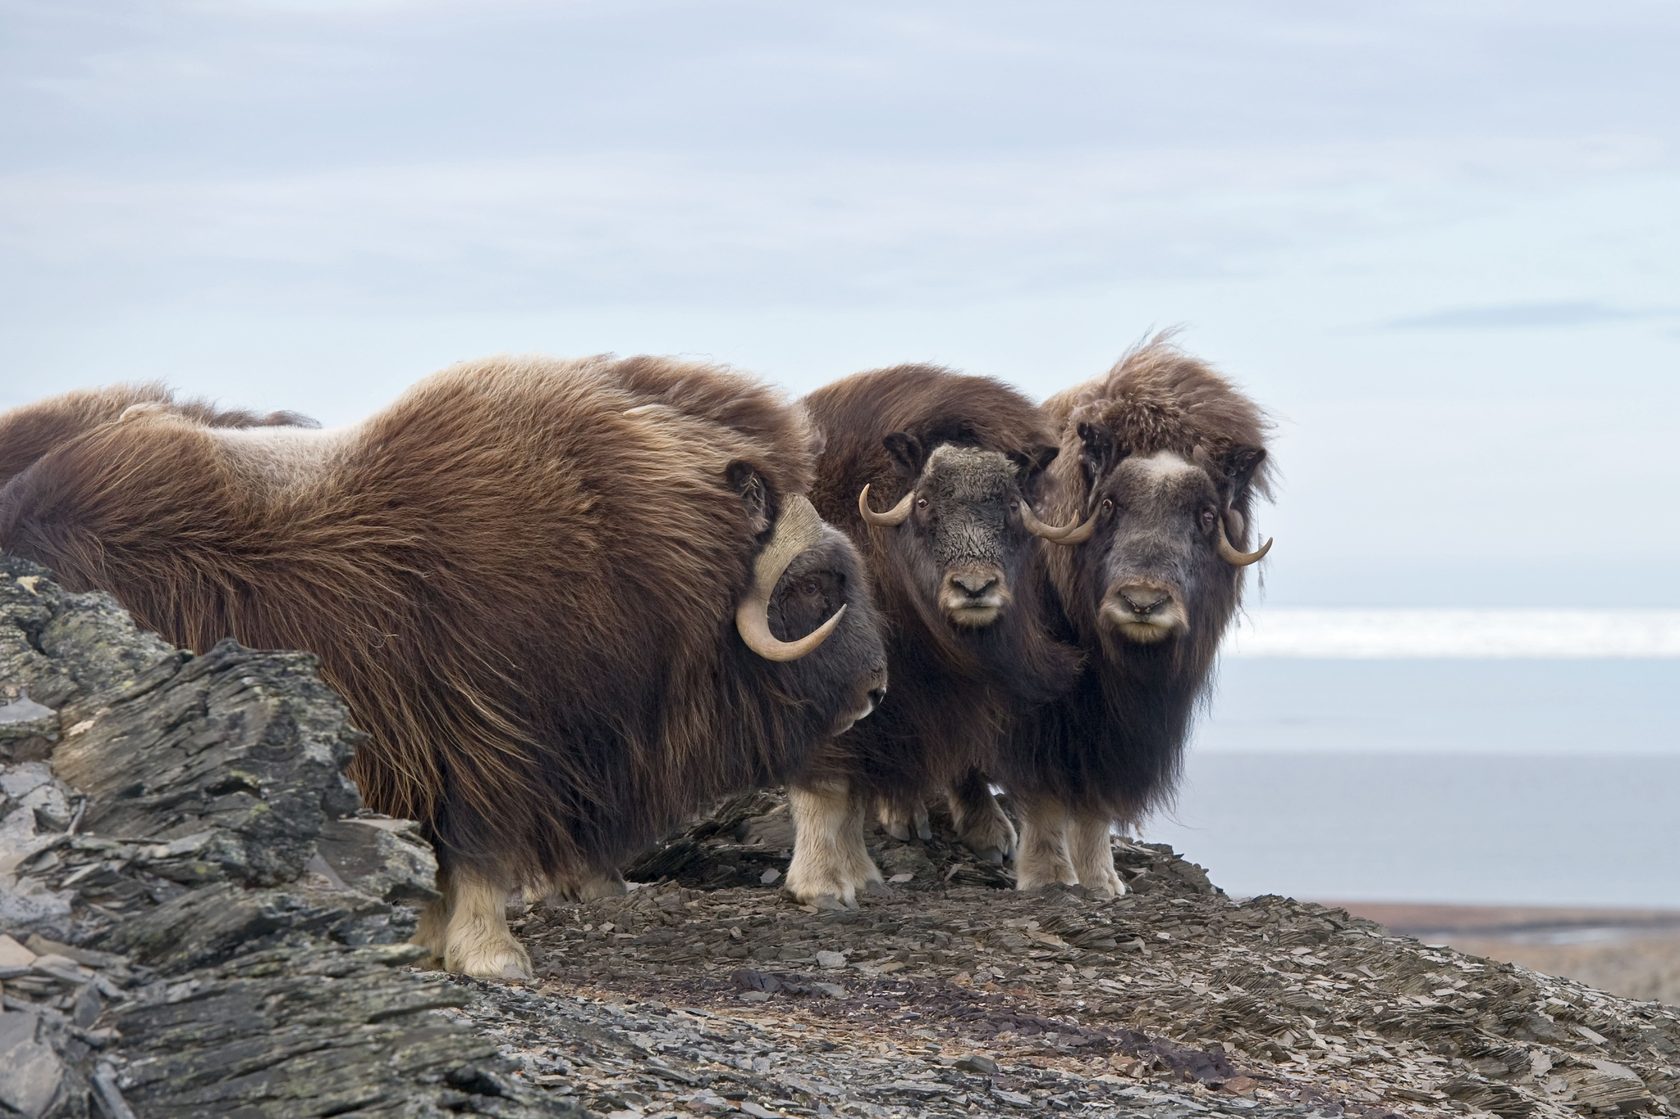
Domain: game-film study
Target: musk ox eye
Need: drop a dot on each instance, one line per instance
(1108, 507)
(1208, 517)
(921, 503)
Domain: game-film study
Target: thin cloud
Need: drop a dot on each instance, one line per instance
(1525, 316)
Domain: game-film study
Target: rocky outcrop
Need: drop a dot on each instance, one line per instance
(197, 917)
(200, 921)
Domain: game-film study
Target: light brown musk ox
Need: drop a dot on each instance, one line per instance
(569, 601)
(31, 430)
(933, 474)
(1162, 461)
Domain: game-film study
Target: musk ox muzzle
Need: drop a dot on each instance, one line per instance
(974, 595)
(1145, 611)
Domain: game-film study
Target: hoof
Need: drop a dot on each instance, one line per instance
(510, 962)
(827, 902)
(1106, 889)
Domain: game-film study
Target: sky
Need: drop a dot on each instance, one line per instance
(1439, 242)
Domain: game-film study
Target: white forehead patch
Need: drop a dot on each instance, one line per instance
(970, 473)
(967, 456)
(1161, 466)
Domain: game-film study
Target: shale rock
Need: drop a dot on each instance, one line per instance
(197, 919)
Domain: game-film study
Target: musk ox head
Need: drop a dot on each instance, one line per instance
(1161, 546)
(963, 531)
(808, 611)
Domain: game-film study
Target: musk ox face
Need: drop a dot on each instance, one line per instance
(808, 616)
(1159, 554)
(960, 536)
(845, 679)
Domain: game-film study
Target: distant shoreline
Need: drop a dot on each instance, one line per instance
(1432, 922)
(1630, 952)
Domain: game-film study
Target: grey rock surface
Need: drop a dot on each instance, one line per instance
(197, 918)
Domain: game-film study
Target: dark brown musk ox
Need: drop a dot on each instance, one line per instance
(1162, 462)
(932, 474)
(569, 601)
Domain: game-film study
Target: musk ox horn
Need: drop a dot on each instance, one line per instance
(893, 517)
(1230, 555)
(798, 528)
(1067, 535)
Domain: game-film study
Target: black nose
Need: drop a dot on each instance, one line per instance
(975, 585)
(1143, 602)
(876, 695)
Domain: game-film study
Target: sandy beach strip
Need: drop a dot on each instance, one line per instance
(1631, 952)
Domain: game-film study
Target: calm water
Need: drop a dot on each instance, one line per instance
(1512, 780)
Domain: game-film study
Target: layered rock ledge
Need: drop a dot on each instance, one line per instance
(199, 919)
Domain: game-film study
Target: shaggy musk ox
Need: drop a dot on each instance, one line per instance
(933, 475)
(28, 432)
(568, 601)
(1161, 463)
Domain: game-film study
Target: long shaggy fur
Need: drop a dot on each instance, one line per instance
(1114, 747)
(521, 576)
(31, 431)
(949, 691)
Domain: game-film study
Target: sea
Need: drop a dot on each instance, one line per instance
(1523, 757)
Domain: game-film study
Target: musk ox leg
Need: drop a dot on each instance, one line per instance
(589, 888)
(980, 820)
(1092, 850)
(1043, 855)
(830, 861)
(477, 940)
(434, 919)
(902, 825)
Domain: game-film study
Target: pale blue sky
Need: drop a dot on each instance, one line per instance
(1438, 240)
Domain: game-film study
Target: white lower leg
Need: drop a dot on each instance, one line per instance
(476, 939)
(902, 825)
(980, 821)
(434, 918)
(590, 888)
(1092, 851)
(830, 859)
(1043, 855)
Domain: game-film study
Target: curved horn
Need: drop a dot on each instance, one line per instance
(1230, 555)
(752, 620)
(1067, 535)
(893, 517)
(798, 528)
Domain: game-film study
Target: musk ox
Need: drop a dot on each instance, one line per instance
(569, 601)
(954, 461)
(30, 431)
(1161, 464)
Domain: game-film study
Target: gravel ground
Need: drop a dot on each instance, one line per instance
(947, 994)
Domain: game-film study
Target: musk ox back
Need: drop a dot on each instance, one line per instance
(933, 475)
(568, 601)
(1162, 462)
(28, 432)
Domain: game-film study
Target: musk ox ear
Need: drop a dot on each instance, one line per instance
(745, 480)
(1237, 467)
(1031, 462)
(907, 451)
(1098, 451)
